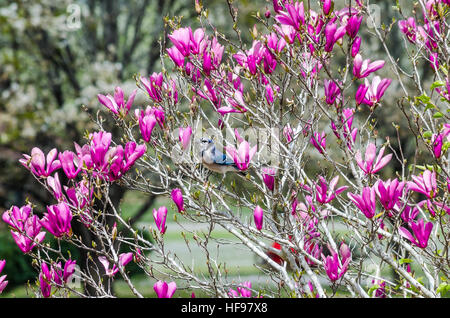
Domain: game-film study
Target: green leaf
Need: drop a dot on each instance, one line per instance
(437, 84)
(438, 115)
(428, 134)
(405, 261)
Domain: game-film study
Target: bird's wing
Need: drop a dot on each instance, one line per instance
(222, 159)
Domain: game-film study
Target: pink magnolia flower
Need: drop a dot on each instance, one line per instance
(124, 259)
(30, 236)
(287, 133)
(325, 193)
(361, 94)
(258, 216)
(409, 28)
(39, 164)
(181, 39)
(68, 161)
(160, 216)
(16, 217)
(235, 104)
(293, 16)
(375, 90)
(58, 219)
(176, 56)
(117, 103)
(380, 292)
(366, 202)
(3, 281)
(132, 153)
(332, 35)
(332, 92)
(164, 290)
(355, 46)
(268, 175)
(185, 136)
(353, 25)
(437, 142)
(80, 197)
(99, 146)
(425, 184)
(313, 249)
(319, 140)
(370, 165)
(147, 121)
(177, 197)
(243, 290)
(420, 233)
(336, 267)
(364, 68)
(55, 185)
(269, 94)
(243, 155)
(326, 6)
(389, 192)
(25, 229)
(62, 275)
(45, 280)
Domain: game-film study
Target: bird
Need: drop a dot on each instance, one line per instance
(214, 160)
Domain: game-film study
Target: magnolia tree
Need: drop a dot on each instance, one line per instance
(231, 128)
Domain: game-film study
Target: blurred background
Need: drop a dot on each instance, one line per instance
(56, 56)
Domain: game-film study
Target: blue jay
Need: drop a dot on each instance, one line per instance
(213, 159)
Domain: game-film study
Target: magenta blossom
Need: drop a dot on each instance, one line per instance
(425, 184)
(332, 35)
(243, 155)
(147, 122)
(293, 16)
(364, 68)
(325, 193)
(16, 217)
(319, 140)
(332, 92)
(268, 175)
(124, 259)
(31, 235)
(409, 28)
(58, 219)
(185, 136)
(39, 164)
(25, 228)
(99, 146)
(353, 25)
(389, 192)
(160, 216)
(420, 233)
(366, 202)
(70, 164)
(3, 281)
(54, 184)
(177, 197)
(361, 94)
(45, 280)
(244, 290)
(370, 165)
(258, 216)
(336, 267)
(375, 91)
(437, 143)
(117, 104)
(164, 290)
(355, 46)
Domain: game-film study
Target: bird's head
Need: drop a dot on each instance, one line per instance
(205, 144)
